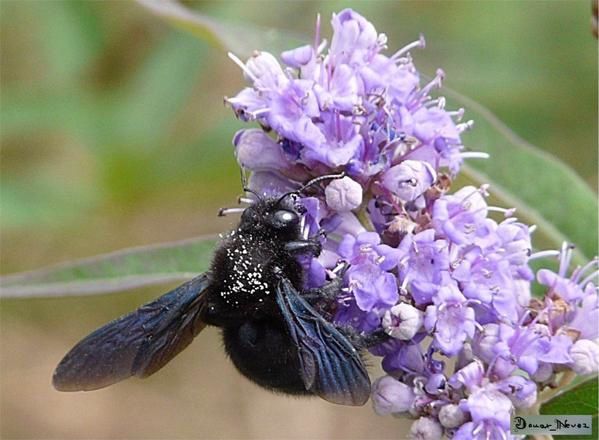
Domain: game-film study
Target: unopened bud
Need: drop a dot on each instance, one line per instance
(426, 428)
(451, 416)
(402, 321)
(585, 354)
(390, 396)
(343, 195)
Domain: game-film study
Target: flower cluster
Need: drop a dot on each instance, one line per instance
(445, 275)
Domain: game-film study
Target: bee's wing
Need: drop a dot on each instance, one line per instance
(331, 367)
(137, 344)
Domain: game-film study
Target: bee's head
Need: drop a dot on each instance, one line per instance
(275, 216)
(279, 216)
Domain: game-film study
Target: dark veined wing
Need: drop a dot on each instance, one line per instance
(137, 344)
(331, 365)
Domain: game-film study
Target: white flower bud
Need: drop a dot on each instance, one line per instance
(425, 428)
(343, 195)
(390, 396)
(451, 416)
(264, 68)
(402, 321)
(585, 354)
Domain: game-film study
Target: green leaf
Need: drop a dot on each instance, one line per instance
(160, 87)
(581, 399)
(545, 191)
(242, 39)
(117, 271)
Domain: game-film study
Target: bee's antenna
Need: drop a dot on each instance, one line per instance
(246, 188)
(251, 191)
(314, 181)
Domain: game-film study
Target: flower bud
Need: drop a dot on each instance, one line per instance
(257, 151)
(391, 396)
(402, 321)
(543, 373)
(298, 57)
(409, 179)
(426, 428)
(521, 391)
(451, 416)
(486, 341)
(343, 195)
(585, 354)
(265, 68)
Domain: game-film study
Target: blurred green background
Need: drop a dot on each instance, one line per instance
(114, 134)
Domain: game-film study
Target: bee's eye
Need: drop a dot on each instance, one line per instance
(284, 218)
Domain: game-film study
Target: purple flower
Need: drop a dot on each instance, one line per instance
(422, 264)
(409, 179)
(490, 411)
(371, 286)
(450, 319)
(428, 266)
(462, 217)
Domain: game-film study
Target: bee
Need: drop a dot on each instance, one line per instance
(272, 328)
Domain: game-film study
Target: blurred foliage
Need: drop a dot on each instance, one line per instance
(113, 134)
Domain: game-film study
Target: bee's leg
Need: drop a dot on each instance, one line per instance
(324, 298)
(304, 247)
(309, 246)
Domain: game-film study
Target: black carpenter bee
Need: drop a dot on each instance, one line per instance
(271, 328)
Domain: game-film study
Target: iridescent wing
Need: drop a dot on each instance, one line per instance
(331, 366)
(137, 344)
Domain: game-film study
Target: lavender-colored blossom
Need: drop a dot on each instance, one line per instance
(409, 179)
(450, 319)
(431, 266)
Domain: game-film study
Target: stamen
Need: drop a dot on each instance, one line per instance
(505, 212)
(589, 278)
(436, 82)
(532, 228)
(246, 200)
(581, 271)
(464, 126)
(317, 33)
(224, 211)
(544, 254)
(420, 44)
(458, 114)
(474, 155)
(241, 64)
(566, 258)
